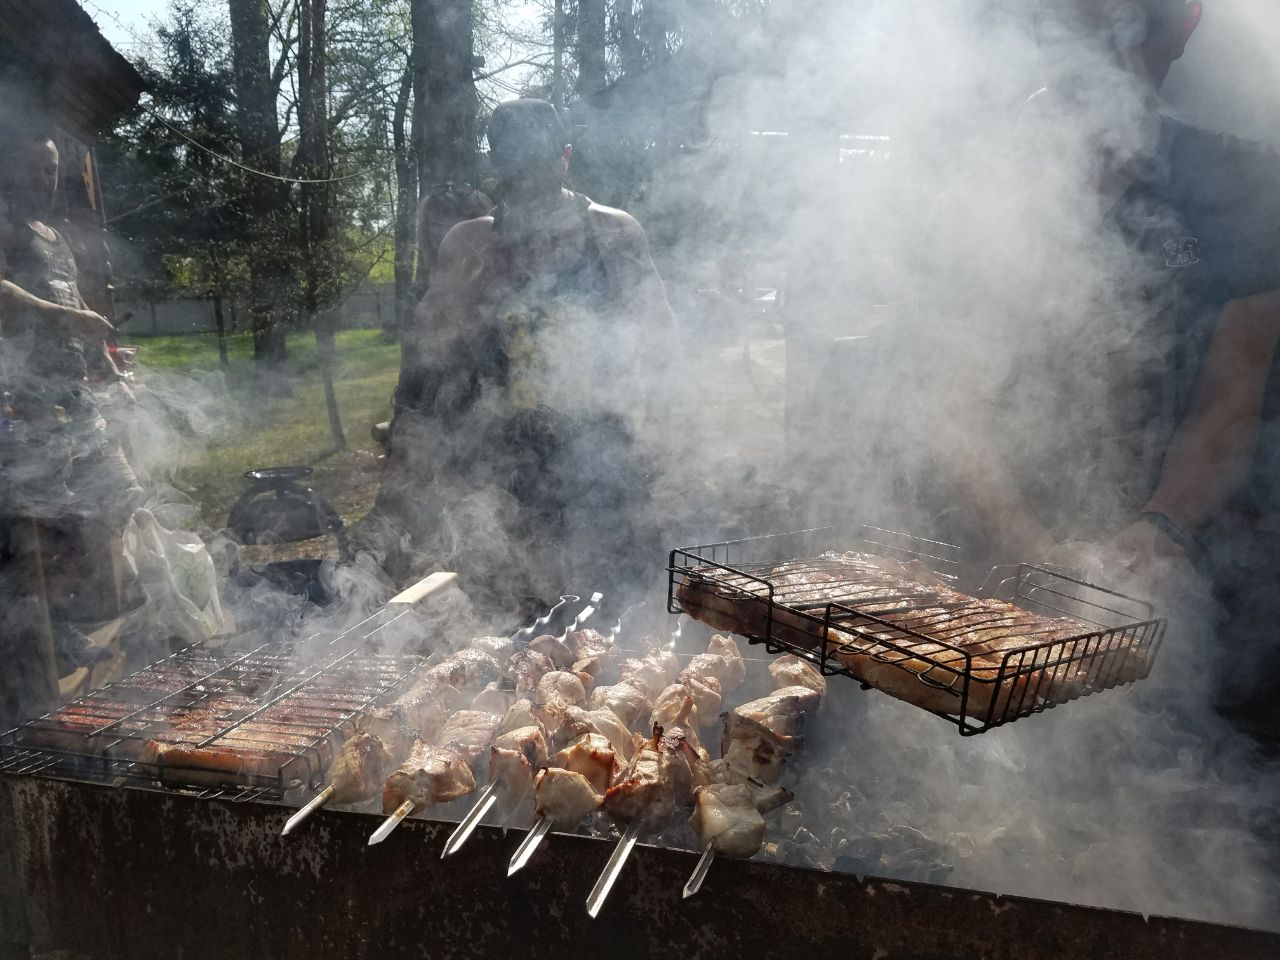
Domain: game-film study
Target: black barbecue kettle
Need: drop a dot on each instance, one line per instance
(276, 509)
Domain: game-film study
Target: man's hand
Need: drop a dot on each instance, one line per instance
(87, 322)
(1143, 545)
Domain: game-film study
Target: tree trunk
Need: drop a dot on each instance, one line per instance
(258, 128)
(557, 56)
(406, 209)
(221, 325)
(592, 22)
(445, 102)
(318, 278)
(630, 46)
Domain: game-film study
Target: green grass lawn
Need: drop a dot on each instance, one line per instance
(271, 430)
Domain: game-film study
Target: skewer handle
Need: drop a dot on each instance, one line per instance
(467, 826)
(391, 822)
(425, 588)
(316, 802)
(609, 876)
(529, 844)
(700, 871)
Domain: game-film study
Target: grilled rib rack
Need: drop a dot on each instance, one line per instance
(272, 714)
(828, 615)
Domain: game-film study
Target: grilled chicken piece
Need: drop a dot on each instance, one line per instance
(392, 727)
(675, 701)
(423, 711)
(470, 732)
(525, 669)
(493, 699)
(578, 722)
(593, 757)
(564, 796)
(790, 671)
(736, 671)
(432, 774)
(650, 674)
(726, 817)
(500, 648)
(361, 768)
(559, 689)
(628, 702)
(592, 644)
(516, 755)
(592, 667)
(759, 736)
(709, 665)
(475, 666)
(705, 691)
(555, 649)
(661, 776)
(522, 713)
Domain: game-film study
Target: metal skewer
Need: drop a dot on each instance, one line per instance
(391, 822)
(532, 840)
(609, 876)
(700, 871)
(489, 796)
(542, 621)
(316, 802)
(467, 826)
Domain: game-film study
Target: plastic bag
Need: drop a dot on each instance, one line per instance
(176, 573)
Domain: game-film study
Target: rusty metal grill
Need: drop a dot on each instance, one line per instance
(254, 724)
(925, 629)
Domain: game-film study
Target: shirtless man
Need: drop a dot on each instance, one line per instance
(542, 337)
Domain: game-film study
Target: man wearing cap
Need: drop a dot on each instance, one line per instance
(543, 336)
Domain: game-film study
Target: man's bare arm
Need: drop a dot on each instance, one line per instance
(85, 321)
(1211, 453)
(652, 327)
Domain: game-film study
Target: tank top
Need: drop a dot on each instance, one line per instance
(45, 364)
(560, 349)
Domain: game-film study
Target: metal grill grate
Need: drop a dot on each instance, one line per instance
(1052, 639)
(253, 725)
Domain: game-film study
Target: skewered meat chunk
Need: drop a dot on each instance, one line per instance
(790, 671)
(473, 668)
(470, 732)
(500, 648)
(736, 672)
(705, 691)
(563, 796)
(432, 774)
(661, 776)
(648, 674)
(591, 643)
(592, 667)
(516, 755)
(645, 791)
(422, 712)
(759, 736)
(674, 701)
(628, 702)
(555, 649)
(726, 817)
(593, 757)
(361, 768)
(522, 713)
(525, 669)
(710, 665)
(560, 689)
(493, 699)
(578, 722)
(391, 727)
